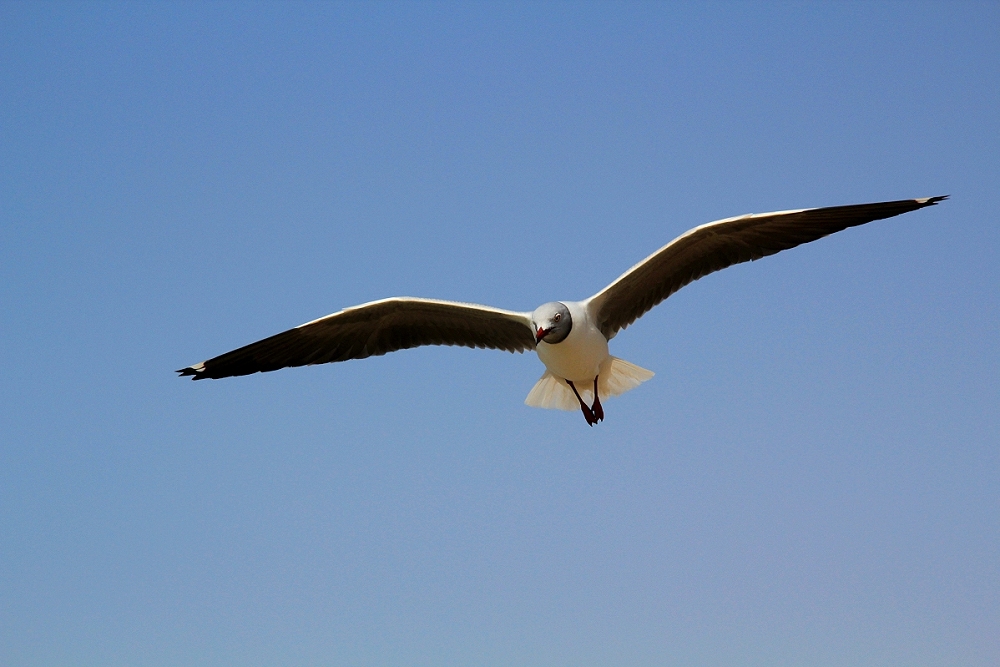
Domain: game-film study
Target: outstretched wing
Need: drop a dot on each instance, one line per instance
(719, 244)
(372, 329)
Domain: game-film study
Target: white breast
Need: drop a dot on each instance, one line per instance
(579, 357)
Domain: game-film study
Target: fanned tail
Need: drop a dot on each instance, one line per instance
(616, 377)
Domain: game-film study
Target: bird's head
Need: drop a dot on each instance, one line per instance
(551, 322)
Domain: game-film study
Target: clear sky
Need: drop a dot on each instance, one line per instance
(812, 477)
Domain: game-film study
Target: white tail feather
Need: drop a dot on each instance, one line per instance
(616, 377)
(552, 393)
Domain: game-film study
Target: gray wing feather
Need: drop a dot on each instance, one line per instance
(716, 245)
(374, 329)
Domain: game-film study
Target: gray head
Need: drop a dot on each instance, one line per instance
(551, 322)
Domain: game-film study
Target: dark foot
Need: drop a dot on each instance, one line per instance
(597, 409)
(588, 414)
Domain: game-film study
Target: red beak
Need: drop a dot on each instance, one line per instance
(539, 335)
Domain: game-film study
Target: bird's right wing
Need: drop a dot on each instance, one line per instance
(719, 244)
(373, 329)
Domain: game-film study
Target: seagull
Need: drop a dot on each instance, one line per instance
(570, 337)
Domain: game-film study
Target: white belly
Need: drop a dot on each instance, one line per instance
(579, 357)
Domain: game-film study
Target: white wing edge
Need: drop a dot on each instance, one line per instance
(510, 314)
(593, 304)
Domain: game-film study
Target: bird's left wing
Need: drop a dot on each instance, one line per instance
(719, 244)
(373, 329)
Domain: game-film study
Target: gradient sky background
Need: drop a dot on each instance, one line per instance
(812, 477)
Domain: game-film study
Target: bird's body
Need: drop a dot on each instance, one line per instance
(578, 358)
(570, 337)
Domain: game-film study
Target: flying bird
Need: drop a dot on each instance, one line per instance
(570, 337)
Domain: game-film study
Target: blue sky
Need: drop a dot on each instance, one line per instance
(810, 478)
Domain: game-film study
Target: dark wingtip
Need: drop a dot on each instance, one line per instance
(930, 201)
(194, 371)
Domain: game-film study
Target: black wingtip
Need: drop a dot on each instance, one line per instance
(193, 371)
(930, 201)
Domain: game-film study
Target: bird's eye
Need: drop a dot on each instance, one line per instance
(557, 317)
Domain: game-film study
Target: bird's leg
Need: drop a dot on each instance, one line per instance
(597, 409)
(588, 414)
